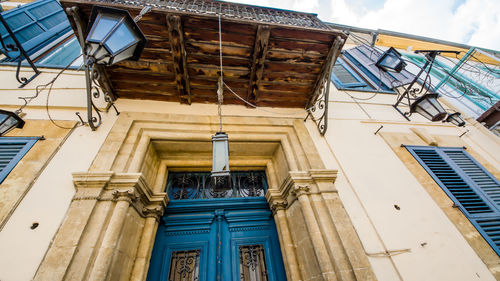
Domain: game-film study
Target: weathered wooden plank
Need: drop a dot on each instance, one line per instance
(258, 62)
(198, 58)
(156, 87)
(212, 48)
(213, 71)
(288, 76)
(298, 45)
(156, 54)
(176, 38)
(292, 67)
(324, 75)
(226, 27)
(302, 35)
(203, 34)
(144, 67)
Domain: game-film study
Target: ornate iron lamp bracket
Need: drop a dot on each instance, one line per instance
(318, 107)
(413, 91)
(22, 54)
(92, 78)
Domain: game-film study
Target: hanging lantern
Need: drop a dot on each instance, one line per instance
(220, 154)
(8, 121)
(429, 107)
(455, 119)
(113, 37)
(391, 60)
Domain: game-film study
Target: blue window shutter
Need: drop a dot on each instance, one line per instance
(35, 24)
(471, 187)
(344, 77)
(12, 150)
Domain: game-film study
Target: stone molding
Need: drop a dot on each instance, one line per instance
(297, 183)
(130, 187)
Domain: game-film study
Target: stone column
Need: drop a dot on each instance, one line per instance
(141, 264)
(320, 248)
(278, 206)
(103, 260)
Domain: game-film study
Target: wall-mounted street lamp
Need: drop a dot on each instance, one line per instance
(425, 103)
(455, 119)
(8, 121)
(428, 106)
(113, 37)
(391, 60)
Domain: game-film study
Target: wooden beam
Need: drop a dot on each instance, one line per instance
(323, 79)
(259, 57)
(176, 38)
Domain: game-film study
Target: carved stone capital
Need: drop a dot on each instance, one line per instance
(125, 195)
(300, 189)
(279, 205)
(153, 212)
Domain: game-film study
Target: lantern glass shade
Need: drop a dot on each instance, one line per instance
(8, 121)
(429, 107)
(220, 154)
(455, 119)
(114, 36)
(391, 61)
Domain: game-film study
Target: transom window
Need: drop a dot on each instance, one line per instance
(200, 185)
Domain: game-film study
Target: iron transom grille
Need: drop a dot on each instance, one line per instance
(199, 185)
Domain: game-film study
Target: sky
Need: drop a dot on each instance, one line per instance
(472, 22)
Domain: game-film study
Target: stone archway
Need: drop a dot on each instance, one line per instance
(109, 229)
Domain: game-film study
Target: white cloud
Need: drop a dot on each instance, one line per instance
(474, 22)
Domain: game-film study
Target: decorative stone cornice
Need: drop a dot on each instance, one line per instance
(324, 175)
(91, 179)
(130, 187)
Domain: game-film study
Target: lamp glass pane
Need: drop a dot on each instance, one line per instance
(122, 37)
(390, 61)
(125, 54)
(220, 156)
(8, 124)
(102, 26)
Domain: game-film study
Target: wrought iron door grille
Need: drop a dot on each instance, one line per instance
(185, 266)
(199, 185)
(252, 263)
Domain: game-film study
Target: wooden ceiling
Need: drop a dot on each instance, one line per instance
(270, 57)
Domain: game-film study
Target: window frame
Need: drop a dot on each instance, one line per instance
(28, 142)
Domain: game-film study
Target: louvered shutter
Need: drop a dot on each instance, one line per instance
(471, 187)
(34, 24)
(12, 151)
(364, 59)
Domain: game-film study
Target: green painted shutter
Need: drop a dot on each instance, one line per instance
(471, 187)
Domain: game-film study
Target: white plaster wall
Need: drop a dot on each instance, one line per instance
(373, 179)
(22, 249)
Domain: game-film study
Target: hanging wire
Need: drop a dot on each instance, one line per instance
(41, 88)
(220, 84)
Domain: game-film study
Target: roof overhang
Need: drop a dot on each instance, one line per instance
(271, 57)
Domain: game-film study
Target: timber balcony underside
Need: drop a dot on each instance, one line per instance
(266, 64)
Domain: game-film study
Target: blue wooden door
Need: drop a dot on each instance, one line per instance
(217, 239)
